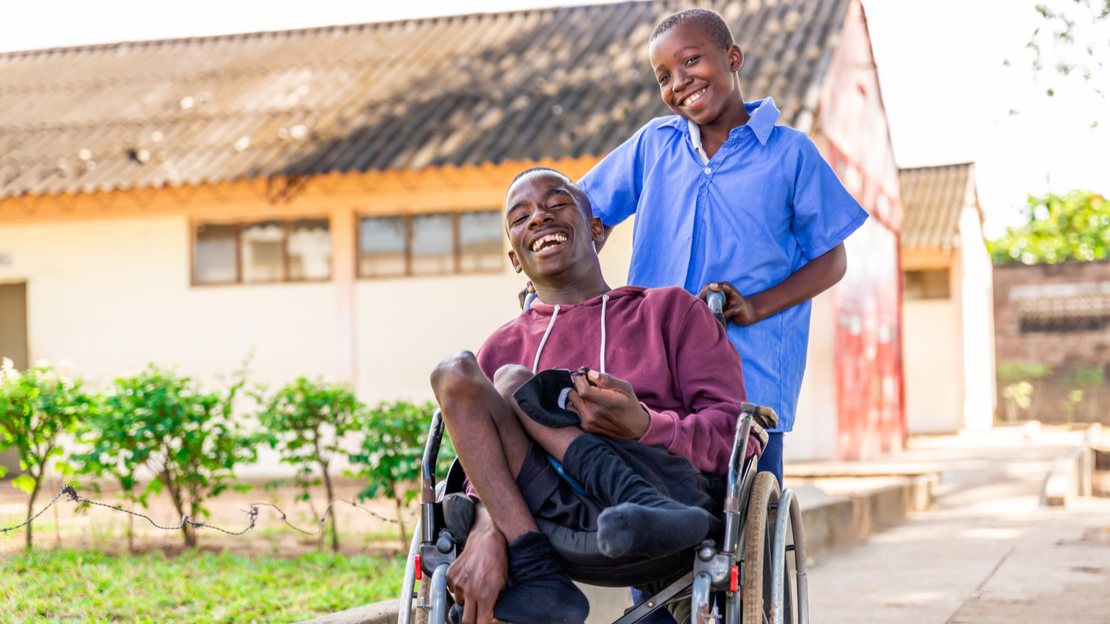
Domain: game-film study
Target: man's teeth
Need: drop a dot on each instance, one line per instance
(693, 98)
(550, 238)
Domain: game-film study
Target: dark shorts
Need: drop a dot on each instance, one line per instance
(552, 498)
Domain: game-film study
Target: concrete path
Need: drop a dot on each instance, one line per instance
(988, 553)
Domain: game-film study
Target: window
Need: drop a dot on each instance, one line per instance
(430, 244)
(262, 252)
(930, 284)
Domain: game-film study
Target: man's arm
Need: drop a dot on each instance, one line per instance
(482, 570)
(814, 278)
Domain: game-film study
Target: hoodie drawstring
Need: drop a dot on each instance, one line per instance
(604, 301)
(536, 363)
(551, 324)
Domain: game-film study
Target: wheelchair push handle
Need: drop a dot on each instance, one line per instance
(431, 454)
(716, 301)
(529, 298)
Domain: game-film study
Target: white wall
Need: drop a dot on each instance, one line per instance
(111, 295)
(933, 364)
(815, 430)
(977, 294)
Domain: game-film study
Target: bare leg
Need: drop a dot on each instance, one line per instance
(492, 447)
(488, 438)
(508, 380)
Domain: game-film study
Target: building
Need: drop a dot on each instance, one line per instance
(328, 200)
(948, 309)
(1053, 332)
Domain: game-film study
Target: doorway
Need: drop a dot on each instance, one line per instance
(13, 324)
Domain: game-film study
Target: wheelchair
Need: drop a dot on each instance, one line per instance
(742, 576)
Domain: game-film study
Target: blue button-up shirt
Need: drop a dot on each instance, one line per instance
(764, 205)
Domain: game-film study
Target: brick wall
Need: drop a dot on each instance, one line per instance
(1057, 315)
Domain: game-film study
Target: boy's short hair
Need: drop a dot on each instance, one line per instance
(708, 21)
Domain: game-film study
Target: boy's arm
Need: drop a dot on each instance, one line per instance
(812, 279)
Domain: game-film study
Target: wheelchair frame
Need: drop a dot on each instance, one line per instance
(753, 587)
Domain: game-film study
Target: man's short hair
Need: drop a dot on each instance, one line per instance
(581, 197)
(707, 21)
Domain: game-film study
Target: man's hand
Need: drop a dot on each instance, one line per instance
(481, 571)
(737, 308)
(609, 407)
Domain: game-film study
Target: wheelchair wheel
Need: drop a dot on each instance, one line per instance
(759, 527)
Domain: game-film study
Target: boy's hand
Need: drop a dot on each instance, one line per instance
(737, 308)
(481, 571)
(609, 407)
(522, 295)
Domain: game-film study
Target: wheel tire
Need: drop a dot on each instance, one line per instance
(757, 561)
(768, 557)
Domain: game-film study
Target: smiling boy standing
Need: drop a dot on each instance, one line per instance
(725, 200)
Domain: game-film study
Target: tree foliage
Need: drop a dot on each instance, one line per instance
(392, 452)
(1072, 41)
(306, 421)
(186, 437)
(1075, 226)
(37, 408)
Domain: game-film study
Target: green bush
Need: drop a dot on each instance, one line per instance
(391, 454)
(186, 437)
(305, 421)
(37, 407)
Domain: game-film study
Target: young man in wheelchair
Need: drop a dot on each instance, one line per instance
(643, 431)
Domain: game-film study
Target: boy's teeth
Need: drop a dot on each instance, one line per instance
(693, 98)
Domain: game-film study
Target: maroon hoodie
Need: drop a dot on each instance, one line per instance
(663, 341)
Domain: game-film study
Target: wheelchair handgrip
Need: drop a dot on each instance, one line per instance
(528, 299)
(431, 455)
(716, 301)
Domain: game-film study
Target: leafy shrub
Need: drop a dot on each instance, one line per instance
(184, 436)
(305, 421)
(392, 451)
(37, 407)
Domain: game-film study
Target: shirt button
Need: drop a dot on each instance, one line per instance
(708, 170)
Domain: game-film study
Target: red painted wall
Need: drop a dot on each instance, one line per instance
(853, 135)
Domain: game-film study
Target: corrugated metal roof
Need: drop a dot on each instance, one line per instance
(469, 89)
(932, 200)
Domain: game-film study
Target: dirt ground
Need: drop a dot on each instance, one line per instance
(362, 530)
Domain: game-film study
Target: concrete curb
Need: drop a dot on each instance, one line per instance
(384, 612)
(1070, 476)
(830, 523)
(842, 521)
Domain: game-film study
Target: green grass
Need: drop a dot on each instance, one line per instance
(54, 586)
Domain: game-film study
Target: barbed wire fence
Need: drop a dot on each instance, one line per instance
(252, 512)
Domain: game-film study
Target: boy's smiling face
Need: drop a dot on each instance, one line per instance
(550, 230)
(697, 78)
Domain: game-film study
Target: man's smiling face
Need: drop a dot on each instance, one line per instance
(696, 76)
(549, 226)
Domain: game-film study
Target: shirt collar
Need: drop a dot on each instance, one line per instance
(762, 117)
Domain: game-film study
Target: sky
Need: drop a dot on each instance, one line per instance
(956, 75)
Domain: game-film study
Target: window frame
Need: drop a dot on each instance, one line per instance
(456, 245)
(286, 225)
